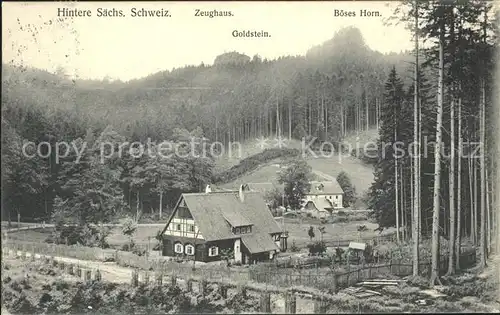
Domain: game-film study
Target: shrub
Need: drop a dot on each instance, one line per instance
(348, 188)
(86, 235)
(317, 248)
(294, 248)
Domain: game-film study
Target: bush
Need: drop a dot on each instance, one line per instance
(317, 248)
(294, 248)
(348, 188)
(85, 235)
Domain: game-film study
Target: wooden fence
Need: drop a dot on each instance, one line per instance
(284, 277)
(336, 280)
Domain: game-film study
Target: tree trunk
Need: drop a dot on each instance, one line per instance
(342, 134)
(161, 204)
(137, 206)
(471, 197)
(416, 147)
(289, 119)
(437, 165)
(451, 265)
(474, 169)
(367, 112)
(488, 216)
(396, 183)
(459, 180)
(482, 233)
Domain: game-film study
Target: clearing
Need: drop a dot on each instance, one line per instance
(298, 231)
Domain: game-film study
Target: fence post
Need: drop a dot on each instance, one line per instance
(335, 283)
(79, 271)
(223, 290)
(69, 269)
(135, 278)
(189, 284)
(97, 275)
(265, 302)
(202, 285)
(62, 266)
(87, 275)
(159, 279)
(173, 280)
(290, 302)
(319, 305)
(243, 291)
(146, 278)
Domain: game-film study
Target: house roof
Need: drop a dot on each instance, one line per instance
(325, 188)
(263, 187)
(320, 204)
(358, 246)
(215, 212)
(258, 243)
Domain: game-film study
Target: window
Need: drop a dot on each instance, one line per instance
(336, 197)
(178, 227)
(191, 228)
(213, 251)
(276, 237)
(178, 248)
(189, 249)
(237, 230)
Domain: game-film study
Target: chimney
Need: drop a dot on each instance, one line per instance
(208, 189)
(241, 194)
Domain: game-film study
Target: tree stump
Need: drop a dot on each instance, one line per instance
(265, 302)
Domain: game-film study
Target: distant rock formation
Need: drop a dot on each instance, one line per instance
(231, 58)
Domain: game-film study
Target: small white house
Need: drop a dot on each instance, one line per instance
(327, 190)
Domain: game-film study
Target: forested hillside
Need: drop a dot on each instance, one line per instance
(334, 90)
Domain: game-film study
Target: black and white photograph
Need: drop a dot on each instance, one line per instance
(272, 157)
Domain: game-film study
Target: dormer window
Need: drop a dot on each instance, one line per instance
(242, 229)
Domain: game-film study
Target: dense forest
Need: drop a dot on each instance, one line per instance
(336, 89)
(448, 108)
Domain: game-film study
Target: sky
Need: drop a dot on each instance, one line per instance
(129, 47)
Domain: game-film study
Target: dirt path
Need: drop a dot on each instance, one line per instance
(109, 271)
